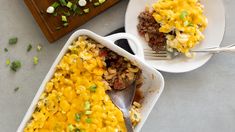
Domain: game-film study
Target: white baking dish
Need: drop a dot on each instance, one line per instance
(153, 81)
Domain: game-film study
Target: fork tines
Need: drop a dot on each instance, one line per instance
(160, 55)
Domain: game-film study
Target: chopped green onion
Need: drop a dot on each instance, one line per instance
(77, 130)
(101, 1)
(15, 65)
(93, 88)
(5, 49)
(39, 48)
(77, 117)
(64, 18)
(29, 47)
(96, 4)
(88, 120)
(186, 23)
(35, 60)
(66, 13)
(55, 5)
(74, 7)
(88, 112)
(69, 4)
(78, 11)
(87, 105)
(65, 24)
(70, 127)
(8, 62)
(183, 14)
(16, 89)
(63, 2)
(86, 10)
(50, 10)
(13, 40)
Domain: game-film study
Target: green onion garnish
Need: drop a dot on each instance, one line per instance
(63, 2)
(15, 65)
(29, 47)
(96, 4)
(88, 112)
(86, 10)
(65, 24)
(5, 49)
(69, 4)
(77, 130)
(70, 127)
(39, 48)
(66, 13)
(74, 7)
(16, 89)
(55, 5)
(88, 120)
(87, 105)
(93, 88)
(8, 62)
(64, 18)
(35, 60)
(13, 40)
(183, 14)
(77, 117)
(101, 1)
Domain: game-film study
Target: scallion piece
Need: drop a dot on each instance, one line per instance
(13, 40)
(16, 89)
(87, 105)
(77, 117)
(55, 5)
(93, 88)
(8, 62)
(96, 4)
(5, 49)
(35, 60)
(87, 10)
(15, 65)
(69, 5)
(70, 127)
(88, 120)
(88, 112)
(183, 14)
(101, 1)
(29, 47)
(64, 18)
(65, 24)
(63, 2)
(39, 48)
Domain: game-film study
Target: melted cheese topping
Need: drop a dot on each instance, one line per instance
(183, 17)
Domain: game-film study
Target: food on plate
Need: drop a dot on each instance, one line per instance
(181, 21)
(75, 98)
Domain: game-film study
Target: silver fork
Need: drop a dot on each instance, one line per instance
(166, 55)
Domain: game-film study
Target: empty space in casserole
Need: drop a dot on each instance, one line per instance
(75, 98)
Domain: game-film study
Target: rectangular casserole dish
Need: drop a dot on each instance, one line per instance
(151, 89)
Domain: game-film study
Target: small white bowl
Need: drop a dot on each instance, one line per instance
(214, 11)
(153, 81)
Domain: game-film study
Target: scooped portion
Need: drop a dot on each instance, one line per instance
(75, 98)
(181, 21)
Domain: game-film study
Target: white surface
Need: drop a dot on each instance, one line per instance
(197, 101)
(214, 10)
(152, 86)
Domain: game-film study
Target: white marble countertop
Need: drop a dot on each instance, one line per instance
(199, 101)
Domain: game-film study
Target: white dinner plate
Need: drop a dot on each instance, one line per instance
(214, 11)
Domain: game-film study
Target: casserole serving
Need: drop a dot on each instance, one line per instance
(153, 82)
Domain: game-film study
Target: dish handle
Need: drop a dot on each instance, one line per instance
(139, 49)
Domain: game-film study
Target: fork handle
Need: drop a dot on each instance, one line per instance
(230, 48)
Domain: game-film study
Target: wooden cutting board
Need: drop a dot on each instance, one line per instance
(49, 24)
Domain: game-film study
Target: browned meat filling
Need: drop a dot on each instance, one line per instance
(120, 73)
(149, 29)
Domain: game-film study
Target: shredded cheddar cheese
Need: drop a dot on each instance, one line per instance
(183, 17)
(74, 99)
